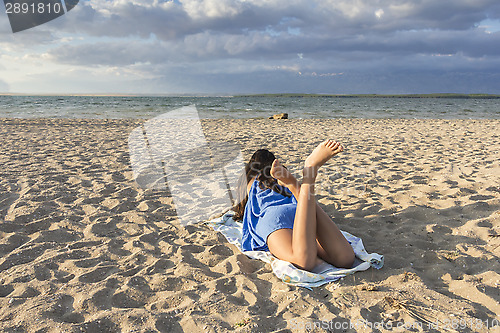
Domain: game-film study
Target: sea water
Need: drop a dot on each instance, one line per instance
(233, 107)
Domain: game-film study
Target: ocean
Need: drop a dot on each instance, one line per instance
(143, 107)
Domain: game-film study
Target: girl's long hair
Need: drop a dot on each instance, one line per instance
(259, 167)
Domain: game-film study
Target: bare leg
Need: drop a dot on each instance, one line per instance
(332, 245)
(312, 226)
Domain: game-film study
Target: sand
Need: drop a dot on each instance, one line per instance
(85, 249)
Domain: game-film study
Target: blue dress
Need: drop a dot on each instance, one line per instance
(266, 211)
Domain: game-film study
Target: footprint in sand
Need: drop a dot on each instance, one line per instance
(106, 229)
(168, 324)
(12, 242)
(151, 238)
(116, 246)
(98, 274)
(24, 291)
(43, 273)
(129, 298)
(63, 276)
(221, 250)
(59, 235)
(159, 266)
(139, 283)
(191, 248)
(226, 285)
(23, 256)
(101, 299)
(62, 310)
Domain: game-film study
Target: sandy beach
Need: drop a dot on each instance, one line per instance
(83, 248)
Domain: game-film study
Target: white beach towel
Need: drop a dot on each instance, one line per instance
(287, 272)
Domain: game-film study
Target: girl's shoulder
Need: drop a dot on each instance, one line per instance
(250, 183)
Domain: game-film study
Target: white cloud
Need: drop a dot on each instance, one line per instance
(4, 87)
(200, 9)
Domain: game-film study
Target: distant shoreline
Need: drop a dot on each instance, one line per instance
(287, 95)
(465, 96)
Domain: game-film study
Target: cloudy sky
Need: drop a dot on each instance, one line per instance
(258, 46)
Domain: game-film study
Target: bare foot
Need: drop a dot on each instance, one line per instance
(322, 153)
(284, 177)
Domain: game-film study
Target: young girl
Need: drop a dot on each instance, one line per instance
(281, 215)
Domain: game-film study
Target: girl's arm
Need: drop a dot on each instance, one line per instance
(249, 185)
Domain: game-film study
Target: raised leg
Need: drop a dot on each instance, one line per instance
(332, 245)
(314, 233)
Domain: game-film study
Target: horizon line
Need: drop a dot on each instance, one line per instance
(488, 95)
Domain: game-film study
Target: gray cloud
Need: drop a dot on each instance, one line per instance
(205, 47)
(171, 20)
(278, 43)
